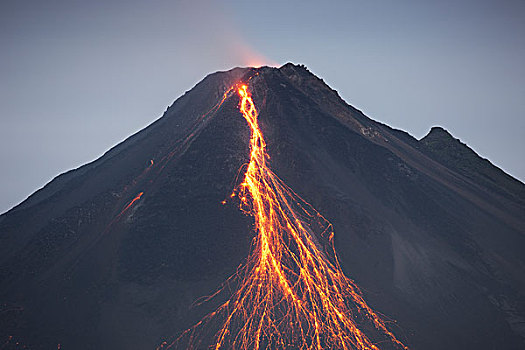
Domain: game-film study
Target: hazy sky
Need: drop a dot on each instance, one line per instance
(77, 77)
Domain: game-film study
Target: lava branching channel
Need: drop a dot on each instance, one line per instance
(291, 292)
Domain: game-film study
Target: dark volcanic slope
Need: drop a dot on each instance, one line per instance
(432, 233)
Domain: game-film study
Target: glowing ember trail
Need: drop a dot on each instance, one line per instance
(291, 291)
(131, 203)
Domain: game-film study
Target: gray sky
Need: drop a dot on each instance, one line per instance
(77, 77)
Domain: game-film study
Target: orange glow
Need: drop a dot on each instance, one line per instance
(291, 291)
(253, 59)
(245, 54)
(129, 205)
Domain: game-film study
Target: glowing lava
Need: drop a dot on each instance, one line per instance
(292, 293)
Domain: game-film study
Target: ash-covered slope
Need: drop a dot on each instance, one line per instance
(433, 235)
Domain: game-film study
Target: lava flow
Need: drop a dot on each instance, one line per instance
(291, 291)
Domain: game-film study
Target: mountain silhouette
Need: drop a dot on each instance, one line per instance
(115, 254)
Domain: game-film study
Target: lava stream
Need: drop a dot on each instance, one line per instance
(291, 292)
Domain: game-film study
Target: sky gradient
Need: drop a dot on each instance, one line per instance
(77, 77)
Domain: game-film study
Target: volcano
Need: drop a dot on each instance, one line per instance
(122, 252)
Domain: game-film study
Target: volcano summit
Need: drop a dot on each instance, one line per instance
(119, 252)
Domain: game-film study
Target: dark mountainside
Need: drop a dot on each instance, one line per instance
(432, 233)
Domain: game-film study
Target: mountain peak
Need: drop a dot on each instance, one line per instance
(442, 146)
(439, 138)
(438, 130)
(290, 65)
(449, 150)
(115, 253)
(299, 70)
